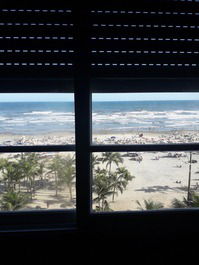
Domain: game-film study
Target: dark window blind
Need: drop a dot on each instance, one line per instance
(129, 42)
(145, 40)
(36, 44)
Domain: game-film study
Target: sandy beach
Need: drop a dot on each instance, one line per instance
(58, 138)
(103, 137)
(159, 176)
(146, 137)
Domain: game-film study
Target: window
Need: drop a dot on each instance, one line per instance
(41, 180)
(37, 119)
(142, 47)
(145, 118)
(137, 180)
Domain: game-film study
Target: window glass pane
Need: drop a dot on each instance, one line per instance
(145, 118)
(145, 180)
(37, 181)
(36, 119)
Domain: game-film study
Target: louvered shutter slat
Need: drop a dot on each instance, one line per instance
(36, 42)
(145, 39)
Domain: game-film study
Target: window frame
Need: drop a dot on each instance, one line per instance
(83, 217)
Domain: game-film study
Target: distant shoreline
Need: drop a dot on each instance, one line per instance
(111, 137)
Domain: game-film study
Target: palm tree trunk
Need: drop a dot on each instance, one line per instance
(110, 170)
(102, 205)
(31, 192)
(26, 183)
(70, 192)
(56, 188)
(113, 197)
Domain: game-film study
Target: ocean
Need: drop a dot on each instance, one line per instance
(31, 118)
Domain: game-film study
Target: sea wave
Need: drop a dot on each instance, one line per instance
(147, 120)
(108, 120)
(3, 118)
(145, 115)
(38, 113)
(46, 113)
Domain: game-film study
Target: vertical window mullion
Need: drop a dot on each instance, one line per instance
(82, 116)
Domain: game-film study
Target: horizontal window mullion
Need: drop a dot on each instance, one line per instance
(37, 148)
(36, 219)
(145, 148)
(36, 85)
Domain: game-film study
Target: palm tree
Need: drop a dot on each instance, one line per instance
(41, 167)
(178, 203)
(3, 162)
(95, 161)
(12, 174)
(67, 173)
(120, 180)
(29, 165)
(105, 208)
(194, 200)
(111, 158)
(150, 205)
(13, 200)
(55, 168)
(103, 188)
(185, 203)
(41, 171)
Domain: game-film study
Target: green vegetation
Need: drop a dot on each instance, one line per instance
(24, 174)
(54, 168)
(107, 182)
(120, 179)
(66, 174)
(103, 188)
(176, 203)
(110, 158)
(13, 201)
(192, 203)
(150, 205)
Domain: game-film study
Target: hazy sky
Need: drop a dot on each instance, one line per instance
(98, 97)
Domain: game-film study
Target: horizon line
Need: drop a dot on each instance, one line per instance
(99, 100)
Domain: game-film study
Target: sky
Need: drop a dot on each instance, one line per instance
(50, 97)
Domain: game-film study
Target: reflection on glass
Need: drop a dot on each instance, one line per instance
(30, 181)
(145, 118)
(145, 180)
(36, 119)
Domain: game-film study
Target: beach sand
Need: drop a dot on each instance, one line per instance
(159, 180)
(160, 176)
(57, 138)
(146, 137)
(103, 137)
